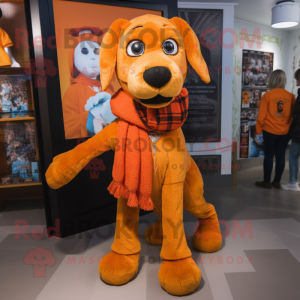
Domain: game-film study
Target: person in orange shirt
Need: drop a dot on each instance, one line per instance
(86, 109)
(274, 120)
(6, 56)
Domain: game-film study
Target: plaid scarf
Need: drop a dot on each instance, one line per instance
(167, 118)
(132, 170)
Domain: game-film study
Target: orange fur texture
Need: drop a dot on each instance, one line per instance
(177, 183)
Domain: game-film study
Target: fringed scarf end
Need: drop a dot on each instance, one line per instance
(119, 190)
(133, 200)
(146, 203)
(116, 189)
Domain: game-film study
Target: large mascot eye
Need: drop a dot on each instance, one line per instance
(135, 48)
(85, 51)
(96, 51)
(170, 47)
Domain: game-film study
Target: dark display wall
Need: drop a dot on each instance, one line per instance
(85, 202)
(204, 117)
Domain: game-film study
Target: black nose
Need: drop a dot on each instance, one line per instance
(157, 76)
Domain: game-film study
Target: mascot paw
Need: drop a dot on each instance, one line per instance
(179, 277)
(154, 233)
(53, 175)
(207, 238)
(118, 269)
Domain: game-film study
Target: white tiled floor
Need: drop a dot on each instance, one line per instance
(273, 217)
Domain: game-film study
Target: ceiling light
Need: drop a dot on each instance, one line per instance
(285, 14)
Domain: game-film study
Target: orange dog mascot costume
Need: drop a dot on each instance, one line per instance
(152, 169)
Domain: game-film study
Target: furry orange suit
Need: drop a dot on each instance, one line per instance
(149, 54)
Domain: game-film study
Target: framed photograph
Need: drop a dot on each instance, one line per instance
(257, 68)
(21, 152)
(204, 119)
(16, 97)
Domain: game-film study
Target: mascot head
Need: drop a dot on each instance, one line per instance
(149, 55)
(84, 57)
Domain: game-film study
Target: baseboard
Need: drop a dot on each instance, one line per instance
(213, 181)
(249, 163)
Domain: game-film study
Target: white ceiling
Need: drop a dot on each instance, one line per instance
(256, 11)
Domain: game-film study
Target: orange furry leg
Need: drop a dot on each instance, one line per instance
(154, 233)
(208, 237)
(121, 264)
(179, 277)
(118, 269)
(178, 274)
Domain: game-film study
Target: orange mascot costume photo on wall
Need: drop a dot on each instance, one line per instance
(6, 56)
(84, 93)
(152, 168)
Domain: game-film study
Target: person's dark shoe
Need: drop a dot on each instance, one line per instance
(276, 185)
(263, 184)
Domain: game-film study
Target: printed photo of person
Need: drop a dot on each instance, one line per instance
(257, 67)
(280, 106)
(14, 96)
(19, 139)
(256, 142)
(5, 88)
(246, 99)
(6, 102)
(86, 109)
(85, 106)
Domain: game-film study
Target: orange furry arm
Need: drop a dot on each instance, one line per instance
(67, 165)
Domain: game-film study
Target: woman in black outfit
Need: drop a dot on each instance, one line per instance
(295, 146)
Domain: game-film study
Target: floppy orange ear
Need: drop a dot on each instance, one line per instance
(192, 48)
(108, 51)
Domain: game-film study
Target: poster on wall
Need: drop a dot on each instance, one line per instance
(85, 106)
(257, 68)
(244, 139)
(204, 117)
(256, 142)
(251, 143)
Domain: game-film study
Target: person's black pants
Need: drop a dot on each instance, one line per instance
(274, 145)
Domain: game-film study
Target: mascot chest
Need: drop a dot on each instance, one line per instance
(170, 156)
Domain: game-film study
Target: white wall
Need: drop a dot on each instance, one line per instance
(224, 148)
(293, 59)
(266, 39)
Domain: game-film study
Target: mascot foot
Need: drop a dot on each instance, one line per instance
(179, 277)
(118, 269)
(154, 233)
(208, 237)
